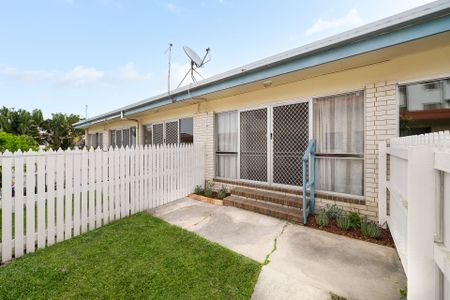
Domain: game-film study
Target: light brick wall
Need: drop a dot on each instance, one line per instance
(381, 123)
(381, 118)
(204, 135)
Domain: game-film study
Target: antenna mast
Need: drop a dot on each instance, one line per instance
(169, 51)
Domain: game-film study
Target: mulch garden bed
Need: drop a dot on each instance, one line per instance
(385, 238)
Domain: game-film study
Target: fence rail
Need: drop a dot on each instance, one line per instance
(414, 199)
(48, 197)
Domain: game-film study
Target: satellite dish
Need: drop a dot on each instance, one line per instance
(193, 56)
(196, 62)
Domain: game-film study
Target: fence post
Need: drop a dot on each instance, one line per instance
(382, 184)
(420, 196)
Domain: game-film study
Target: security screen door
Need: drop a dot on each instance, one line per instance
(272, 142)
(253, 145)
(290, 128)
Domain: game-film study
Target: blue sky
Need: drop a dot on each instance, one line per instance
(60, 55)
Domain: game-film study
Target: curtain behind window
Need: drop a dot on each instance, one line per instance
(338, 130)
(226, 151)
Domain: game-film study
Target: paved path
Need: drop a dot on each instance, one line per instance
(304, 263)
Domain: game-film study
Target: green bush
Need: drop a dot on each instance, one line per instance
(198, 190)
(15, 143)
(322, 218)
(333, 211)
(343, 222)
(370, 229)
(355, 220)
(209, 185)
(222, 193)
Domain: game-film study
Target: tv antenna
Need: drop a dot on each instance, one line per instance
(196, 62)
(169, 51)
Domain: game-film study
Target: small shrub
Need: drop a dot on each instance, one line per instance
(370, 229)
(222, 193)
(13, 143)
(209, 188)
(198, 190)
(404, 293)
(355, 220)
(322, 218)
(333, 211)
(343, 222)
(333, 296)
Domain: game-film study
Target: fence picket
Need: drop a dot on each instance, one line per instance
(30, 180)
(18, 204)
(60, 195)
(91, 188)
(51, 230)
(132, 181)
(7, 208)
(122, 182)
(98, 187)
(112, 184)
(118, 190)
(69, 195)
(84, 189)
(105, 187)
(76, 192)
(41, 200)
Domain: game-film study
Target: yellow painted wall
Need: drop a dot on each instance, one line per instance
(412, 67)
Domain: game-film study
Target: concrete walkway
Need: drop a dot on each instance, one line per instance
(304, 263)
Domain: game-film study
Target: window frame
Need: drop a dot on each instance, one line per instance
(218, 153)
(163, 123)
(116, 131)
(352, 156)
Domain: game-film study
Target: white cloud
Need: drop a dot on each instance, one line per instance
(129, 72)
(171, 7)
(81, 76)
(26, 77)
(352, 18)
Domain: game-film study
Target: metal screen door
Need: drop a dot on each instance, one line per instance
(253, 145)
(172, 132)
(158, 134)
(290, 127)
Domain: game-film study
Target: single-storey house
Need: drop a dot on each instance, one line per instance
(348, 92)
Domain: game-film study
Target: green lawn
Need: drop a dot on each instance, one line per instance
(136, 257)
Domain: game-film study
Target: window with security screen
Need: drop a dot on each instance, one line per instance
(172, 132)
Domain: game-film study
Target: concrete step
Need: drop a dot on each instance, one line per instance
(288, 213)
(290, 200)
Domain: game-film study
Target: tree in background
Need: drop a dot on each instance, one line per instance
(61, 133)
(56, 132)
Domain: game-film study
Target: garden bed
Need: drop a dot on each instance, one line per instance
(211, 200)
(385, 238)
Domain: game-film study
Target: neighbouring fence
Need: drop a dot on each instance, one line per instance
(414, 199)
(48, 197)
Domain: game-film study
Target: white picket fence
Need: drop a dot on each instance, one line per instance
(414, 176)
(49, 197)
